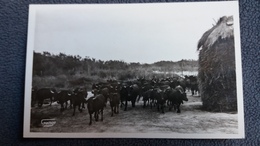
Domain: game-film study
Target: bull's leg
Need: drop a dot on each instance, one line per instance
(174, 106)
(178, 108)
(101, 114)
(133, 103)
(70, 104)
(61, 107)
(112, 111)
(97, 116)
(168, 102)
(117, 107)
(170, 105)
(74, 108)
(90, 118)
(83, 105)
(121, 105)
(152, 103)
(147, 102)
(105, 105)
(125, 105)
(162, 107)
(50, 101)
(66, 104)
(80, 109)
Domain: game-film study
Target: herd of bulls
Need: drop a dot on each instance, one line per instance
(170, 92)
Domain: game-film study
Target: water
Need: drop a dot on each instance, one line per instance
(182, 74)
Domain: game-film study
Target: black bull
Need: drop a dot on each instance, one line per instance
(63, 97)
(76, 98)
(45, 93)
(175, 97)
(114, 100)
(129, 93)
(96, 105)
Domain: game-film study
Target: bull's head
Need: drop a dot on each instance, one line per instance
(184, 96)
(95, 92)
(54, 94)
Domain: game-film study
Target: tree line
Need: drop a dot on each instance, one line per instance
(47, 64)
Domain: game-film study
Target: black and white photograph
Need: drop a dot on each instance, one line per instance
(150, 70)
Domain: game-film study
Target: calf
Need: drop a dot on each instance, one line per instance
(95, 105)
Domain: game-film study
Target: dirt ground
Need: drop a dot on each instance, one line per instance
(138, 120)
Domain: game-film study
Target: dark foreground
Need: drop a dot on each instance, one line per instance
(139, 120)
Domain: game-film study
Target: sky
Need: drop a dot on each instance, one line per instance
(144, 33)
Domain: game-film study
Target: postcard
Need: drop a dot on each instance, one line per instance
(150, 70)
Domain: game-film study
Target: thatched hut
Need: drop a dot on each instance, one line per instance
(217, 74)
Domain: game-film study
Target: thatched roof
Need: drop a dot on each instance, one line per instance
(223, 29)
